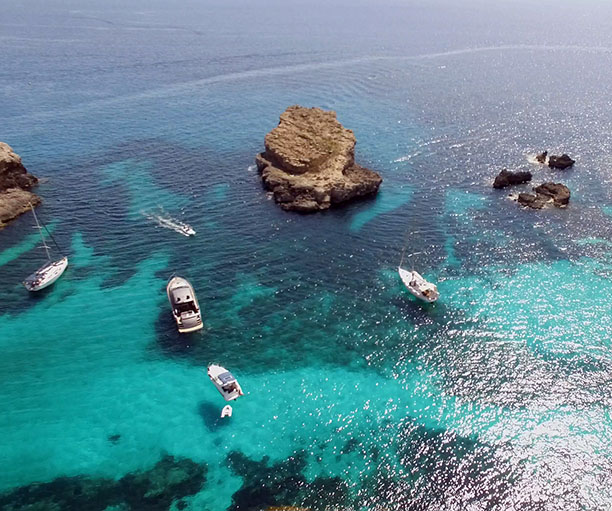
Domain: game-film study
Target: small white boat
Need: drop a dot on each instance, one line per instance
(163, 219)
(418, 286)
(225, 382)
(226, 412)
(48, 273)
(185, 307)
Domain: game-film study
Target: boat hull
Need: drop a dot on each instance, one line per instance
(189, 320)
(230, 390)
(46, 275)
(414, 283)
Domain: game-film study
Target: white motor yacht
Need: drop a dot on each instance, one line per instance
(225, 382)
(185, 308)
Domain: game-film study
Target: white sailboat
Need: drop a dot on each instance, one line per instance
(417, 285)
(48, 273)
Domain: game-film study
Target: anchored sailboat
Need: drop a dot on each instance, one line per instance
(52, 270)
(417, 285)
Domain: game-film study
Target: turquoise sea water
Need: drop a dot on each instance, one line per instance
(357, 397)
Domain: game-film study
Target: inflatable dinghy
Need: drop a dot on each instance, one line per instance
(226, 412)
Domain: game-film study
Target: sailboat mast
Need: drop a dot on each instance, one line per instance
(41, 233)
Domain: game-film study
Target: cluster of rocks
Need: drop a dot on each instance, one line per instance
(547, 193)
(309, 162)
(555, 162)
(15, 183)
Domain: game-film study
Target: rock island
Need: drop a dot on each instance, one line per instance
(309, 162)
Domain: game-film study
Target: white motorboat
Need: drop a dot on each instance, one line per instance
(225, 382)
(418, 286)
(185, 307)
(226, 412)
(48, 273)
(163, 219)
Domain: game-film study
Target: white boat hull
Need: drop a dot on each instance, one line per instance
(188, 319)
(46, 275)
(418, 286)
(225, 383)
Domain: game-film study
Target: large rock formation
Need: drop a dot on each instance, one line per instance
(547, 193)
(309, 162)
(15, 181)
(507, 178)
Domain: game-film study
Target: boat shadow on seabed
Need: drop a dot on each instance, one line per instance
(211, 417)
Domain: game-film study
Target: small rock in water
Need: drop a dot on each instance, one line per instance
(507, 178)
(541, 158)
(114, 438)
(560, 162)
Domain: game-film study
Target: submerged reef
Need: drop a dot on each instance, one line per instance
(15, 181)
(309, 162)
(169, 480)
(283, 484)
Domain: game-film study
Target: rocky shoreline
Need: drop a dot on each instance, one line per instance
(15, 183)
(309, 162)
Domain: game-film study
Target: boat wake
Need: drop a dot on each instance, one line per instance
(163, 219)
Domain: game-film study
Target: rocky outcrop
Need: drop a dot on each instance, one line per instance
(507, 178)
(541, 158)
(15, 181)
(560, 162)
(547, 193)
(559, 193)
(309, 162)
(14, 202)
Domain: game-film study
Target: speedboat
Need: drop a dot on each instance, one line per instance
(46, 275)
(186, 229)
(418, 286)
(185, 308)
(225, 382)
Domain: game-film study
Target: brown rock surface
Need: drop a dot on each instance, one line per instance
(14, 183)
(547, 193)
(560, 162)
(507, 178)
(14, 202)
(309, 162)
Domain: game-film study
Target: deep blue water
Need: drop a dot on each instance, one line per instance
(357, 397)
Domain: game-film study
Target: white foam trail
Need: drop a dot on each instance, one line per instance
(168, 222)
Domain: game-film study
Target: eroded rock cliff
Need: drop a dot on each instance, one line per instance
(309, 162)
(15, 182)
